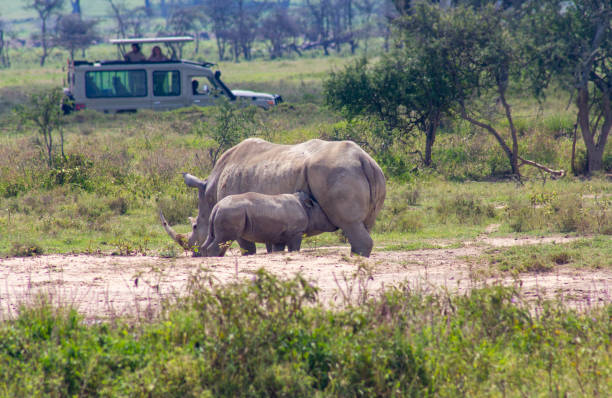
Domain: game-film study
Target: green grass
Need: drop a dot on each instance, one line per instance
(135, 163)
(136, 159)
(90, 8)
(268, 337)
(592, 253)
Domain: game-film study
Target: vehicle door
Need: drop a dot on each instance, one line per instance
(201, 91)
(166, 89)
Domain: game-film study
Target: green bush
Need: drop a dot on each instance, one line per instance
(25, 249)
(178, 207)
(399, 213)
(266, 337)
(465, 208)
(119, 205)
(73, 170)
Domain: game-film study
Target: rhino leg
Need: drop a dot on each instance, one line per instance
(359, 238)
(293, 245)
(275, 247)
(216, 249)
(247, 248)
(218, 246)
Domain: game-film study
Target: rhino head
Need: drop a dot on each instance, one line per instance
(199, 231)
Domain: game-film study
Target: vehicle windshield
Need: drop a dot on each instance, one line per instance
(204, 85)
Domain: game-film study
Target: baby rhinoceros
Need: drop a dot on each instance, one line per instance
(276, 220)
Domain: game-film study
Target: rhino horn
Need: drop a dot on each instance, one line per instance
(193, 181)
(181, 239)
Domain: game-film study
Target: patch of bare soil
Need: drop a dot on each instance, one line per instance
(108, 286)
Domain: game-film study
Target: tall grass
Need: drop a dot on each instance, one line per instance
(268, 337)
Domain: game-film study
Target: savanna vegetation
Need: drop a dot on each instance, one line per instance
(267, 337)
(455, 164)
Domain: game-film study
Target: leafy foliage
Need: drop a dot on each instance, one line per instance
(43, 110)
(267, 337)
(230, 126)
(74, 33)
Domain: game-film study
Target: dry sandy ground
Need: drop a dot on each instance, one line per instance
(107, 286)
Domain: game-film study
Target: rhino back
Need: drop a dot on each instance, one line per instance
(344, 179)
(256, 165)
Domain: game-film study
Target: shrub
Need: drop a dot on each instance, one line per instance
(521, 218)
(178, 207)
(119, 205)
(569, 215)
(410, 221)
(465, 208)
(44, 113)
(230, 126)
(397, 215)
(267, 337)
(74, 170)
(25, 249)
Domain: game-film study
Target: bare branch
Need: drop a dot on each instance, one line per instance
(554, 173)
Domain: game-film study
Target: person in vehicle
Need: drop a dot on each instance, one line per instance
(195, 87)
(135, 55)
(157, 55)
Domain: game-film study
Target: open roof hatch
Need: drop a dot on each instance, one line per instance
(173, 43)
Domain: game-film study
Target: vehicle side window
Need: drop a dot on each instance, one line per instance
(116, 83)
(166, 83)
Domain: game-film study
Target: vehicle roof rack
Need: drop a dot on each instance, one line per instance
(171, 39)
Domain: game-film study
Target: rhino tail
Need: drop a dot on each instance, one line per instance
(376, 181)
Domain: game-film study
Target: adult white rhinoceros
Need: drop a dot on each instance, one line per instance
(344, 180)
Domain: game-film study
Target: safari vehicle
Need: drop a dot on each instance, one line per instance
(122, 86)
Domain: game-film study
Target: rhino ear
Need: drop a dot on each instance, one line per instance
(194, 182)
(308, 202)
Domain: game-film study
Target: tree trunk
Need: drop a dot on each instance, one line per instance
(76, 6)
(498, 137)
(573, 162)
(595, 149)
(220, 47)
(430, 138)
(514, 157)
(43, 38)
(163, 8)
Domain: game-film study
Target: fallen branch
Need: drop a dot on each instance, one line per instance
(554, 173)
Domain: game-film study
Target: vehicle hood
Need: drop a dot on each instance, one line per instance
(250, 94)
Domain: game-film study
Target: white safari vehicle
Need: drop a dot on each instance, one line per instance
(122, 86)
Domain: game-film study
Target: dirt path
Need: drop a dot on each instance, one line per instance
(103, 286)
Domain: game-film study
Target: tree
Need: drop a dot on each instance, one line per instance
(73, 33)
(219, 20)
(76, 6)
(45, 9)
(129, 21)
(573, 45)
(330, 24)
(482, 56)
(4, 56)
(181, 22)
(404, 92)
(44, 111)
(280, 27)
(230, 126)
